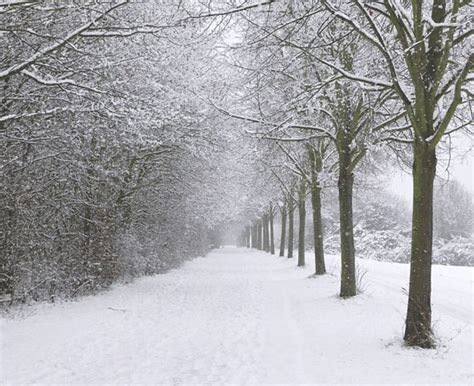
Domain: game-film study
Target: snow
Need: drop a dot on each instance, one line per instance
(57, 45)
(242, 316)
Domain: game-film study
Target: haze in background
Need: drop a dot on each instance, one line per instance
(459, 168)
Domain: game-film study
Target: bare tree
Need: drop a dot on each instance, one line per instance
(421, 44)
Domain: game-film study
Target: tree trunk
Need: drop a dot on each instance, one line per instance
(272, 234)
(316, 167)
(283, 231)
(302, 221)
(319, 263)
(345, 182)
(254, 236)
(266, 244)
(247, 236)
(291, 229)
(418, 322)
(259, 236)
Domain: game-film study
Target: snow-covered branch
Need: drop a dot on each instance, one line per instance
(61, 42)
(58, 82)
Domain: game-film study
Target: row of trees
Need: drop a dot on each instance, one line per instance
(381, 225)
(341, 86)
(120, 153)
(110, 161)
(261, 234)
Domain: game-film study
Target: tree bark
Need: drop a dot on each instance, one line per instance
(266, 244)
(345, 183)
(272, 232)
(259, 236)
(283, 230)
(254, 236)
(316, 167)
(302, 223)
(247, 236)
(320, 265)
(291, 229)
(418, 322)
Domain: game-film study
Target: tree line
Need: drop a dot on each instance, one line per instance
(109, 162)
(339, 87)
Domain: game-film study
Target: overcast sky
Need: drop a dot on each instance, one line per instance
(460, 169)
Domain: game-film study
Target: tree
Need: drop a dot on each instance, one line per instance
(316, 157)
(271, 214)
(302, 222)
(291, 226)
(421, 44)
(283, 215)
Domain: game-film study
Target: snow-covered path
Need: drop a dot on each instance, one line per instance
(240, 316)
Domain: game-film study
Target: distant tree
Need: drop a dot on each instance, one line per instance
(283, 216)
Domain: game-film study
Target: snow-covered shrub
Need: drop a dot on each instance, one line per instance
(382, 245)
(332, 243)
(453, 211)
(376, 211)
(457, 251)
(382, 230)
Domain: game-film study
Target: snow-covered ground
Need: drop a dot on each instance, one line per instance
(241, 316)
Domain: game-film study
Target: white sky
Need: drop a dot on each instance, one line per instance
(460, 169)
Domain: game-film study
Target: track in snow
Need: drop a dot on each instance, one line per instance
(240, 316)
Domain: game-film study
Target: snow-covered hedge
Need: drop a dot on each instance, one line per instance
(457, 251)
(383, 227)
(383, 245)
(394, 246)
